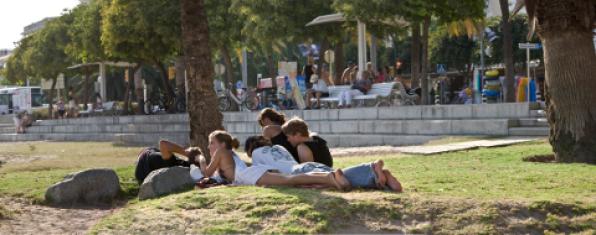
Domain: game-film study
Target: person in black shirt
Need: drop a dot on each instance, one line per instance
(309, 148)
(271, 121)
(151, 158)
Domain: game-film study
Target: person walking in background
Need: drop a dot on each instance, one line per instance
(61, 108)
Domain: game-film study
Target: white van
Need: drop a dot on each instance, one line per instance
(14, 99)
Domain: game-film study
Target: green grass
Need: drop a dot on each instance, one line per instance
(34, 166)
(475, 191)
(491, 173)
(244, 209)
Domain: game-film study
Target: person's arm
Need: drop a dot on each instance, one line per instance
(209, 170)
(271, 131)
(168, 149)
(305, 154)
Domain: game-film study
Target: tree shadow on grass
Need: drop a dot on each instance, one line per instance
(323, 212)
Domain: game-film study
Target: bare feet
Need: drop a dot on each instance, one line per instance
(378, 168)
(392, 182)
(338, 180)
(342, 180)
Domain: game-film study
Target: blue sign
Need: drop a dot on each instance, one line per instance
(441, 69)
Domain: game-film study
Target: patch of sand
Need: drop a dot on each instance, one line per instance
(26, 218)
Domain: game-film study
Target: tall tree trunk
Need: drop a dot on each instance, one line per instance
(180, 75)
(169, 91)
(51, 98)
(271, 64)
(415, 67)
(424, 73)
(202, 104)
(225, 52)
(127, 91)
(509, 90)
(565, 28)
(339, 61)
(139, 89)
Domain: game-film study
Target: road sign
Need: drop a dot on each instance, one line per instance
(531, 46)
(441, 69)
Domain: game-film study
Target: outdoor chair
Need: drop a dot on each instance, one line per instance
(405, 97)
(380, 93)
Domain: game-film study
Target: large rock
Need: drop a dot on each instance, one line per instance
(165, 181)
(87, 187)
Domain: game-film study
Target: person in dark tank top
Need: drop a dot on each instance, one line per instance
(309, 148)
(271, 122)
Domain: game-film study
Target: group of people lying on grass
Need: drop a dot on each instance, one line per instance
(286, 154)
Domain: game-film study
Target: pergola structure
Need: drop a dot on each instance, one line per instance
(102, 72)
(362, 53)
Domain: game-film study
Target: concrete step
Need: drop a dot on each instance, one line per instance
(153, 139)
(528, 122)
(368, 127)
(7, 129)
(538, 113)
(529, 131)
(6, 119)
(429, 112)
(533, 122)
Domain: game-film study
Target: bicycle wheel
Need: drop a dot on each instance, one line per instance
(251, 103)
(224, 104)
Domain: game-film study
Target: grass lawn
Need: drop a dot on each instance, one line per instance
(487, 190)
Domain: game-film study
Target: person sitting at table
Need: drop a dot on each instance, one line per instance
(319, 89)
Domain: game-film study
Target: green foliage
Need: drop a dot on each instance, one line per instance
(141, 31)
(519, 32)
(85, 33)
(456, 52)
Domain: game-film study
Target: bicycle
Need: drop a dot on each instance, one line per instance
(246, 101)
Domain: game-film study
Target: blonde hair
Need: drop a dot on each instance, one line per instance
(225, 137)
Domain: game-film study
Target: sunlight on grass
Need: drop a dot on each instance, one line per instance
(464, 191)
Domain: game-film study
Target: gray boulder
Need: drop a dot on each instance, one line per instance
(92, 186)
(165, 181)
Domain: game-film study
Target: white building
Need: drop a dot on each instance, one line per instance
(32, 28)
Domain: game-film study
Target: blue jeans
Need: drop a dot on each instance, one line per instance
(359, 176)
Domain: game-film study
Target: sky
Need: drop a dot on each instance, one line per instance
(16, 14)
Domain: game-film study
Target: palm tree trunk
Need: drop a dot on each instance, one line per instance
(424, 73)
(570, 63)
(202, 104)
(415, 55)
(565, 28)
(509, 90)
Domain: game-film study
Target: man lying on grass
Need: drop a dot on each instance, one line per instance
(151, 158)
(367, 175)
(229, 166)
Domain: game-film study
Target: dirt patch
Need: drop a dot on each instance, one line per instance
(547, 158)
(26, 218)
(6, 158)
